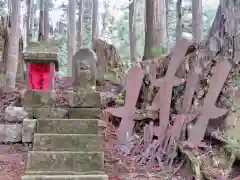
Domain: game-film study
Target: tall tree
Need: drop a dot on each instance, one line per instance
(41, 21)
(87, 21)
(197, 22)
(80, 24)
(179, 20)
(13, 47)
(132, 30)
(29, 20)
(95, 22)
(155, 34)
(46, 21)
(71, 33)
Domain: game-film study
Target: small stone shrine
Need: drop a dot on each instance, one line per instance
(41, 64)
(66, 141)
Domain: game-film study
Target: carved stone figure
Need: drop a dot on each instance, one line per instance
(84, 68)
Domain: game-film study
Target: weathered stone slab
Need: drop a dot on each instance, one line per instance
(29, 127)
(33, 98)
(49, 113)
(84, 113)
(67, 142)
(65, 177)
(81, 99)
(10, 133)
(67, 126)
(65, 161)
(41, 113)
(57, 112)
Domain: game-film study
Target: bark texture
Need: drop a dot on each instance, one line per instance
(13, 48)
(132, 31)
(95, 22)
(41, 21)
(197, 22)
(29, 20)
(71, 33)
(46, 22)
(80, 24)
(179, 21)
(155, 34)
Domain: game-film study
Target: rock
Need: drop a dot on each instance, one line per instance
(84, 99)
(84, 113)
(10, 133)
(59, 112)
(28, 129)
(41, 113)
(15, 114)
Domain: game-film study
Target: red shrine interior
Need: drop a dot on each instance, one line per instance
(39, 76)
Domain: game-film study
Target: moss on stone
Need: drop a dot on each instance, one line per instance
(65, 161)
(67, 142)
(42, 52)
(84, 113)
(68, 126)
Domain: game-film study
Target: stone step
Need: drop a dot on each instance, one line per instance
(50, 173)
(65, 177)
(67, 142)
(67, 126)
(65, 161)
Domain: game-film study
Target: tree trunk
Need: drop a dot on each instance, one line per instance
(132, 31)
(104, 19)
(179, 20)
(95, 21)
(29, 20)
(32, 23)
(197, 22)
(80, 24)
(71, 33)
(13, 48)
(46, 21)
(161, 22)
(41, 21)
(155, 34)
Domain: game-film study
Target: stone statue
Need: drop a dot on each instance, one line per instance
(84, 69)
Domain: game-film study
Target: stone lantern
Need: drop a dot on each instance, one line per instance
(41, 65)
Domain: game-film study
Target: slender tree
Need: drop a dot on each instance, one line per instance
(179, 20)
(197, 22)
(13, 46)
(132, 30)
(41, 21)
(71, 33)
(95, 22)
(46, 21)
(29, 19)
(80, 24)
(155, 31)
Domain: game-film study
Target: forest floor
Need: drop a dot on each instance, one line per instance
(12, 161)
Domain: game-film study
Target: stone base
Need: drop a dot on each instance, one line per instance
(65, 161)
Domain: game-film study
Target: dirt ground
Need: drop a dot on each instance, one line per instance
(12, 161)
